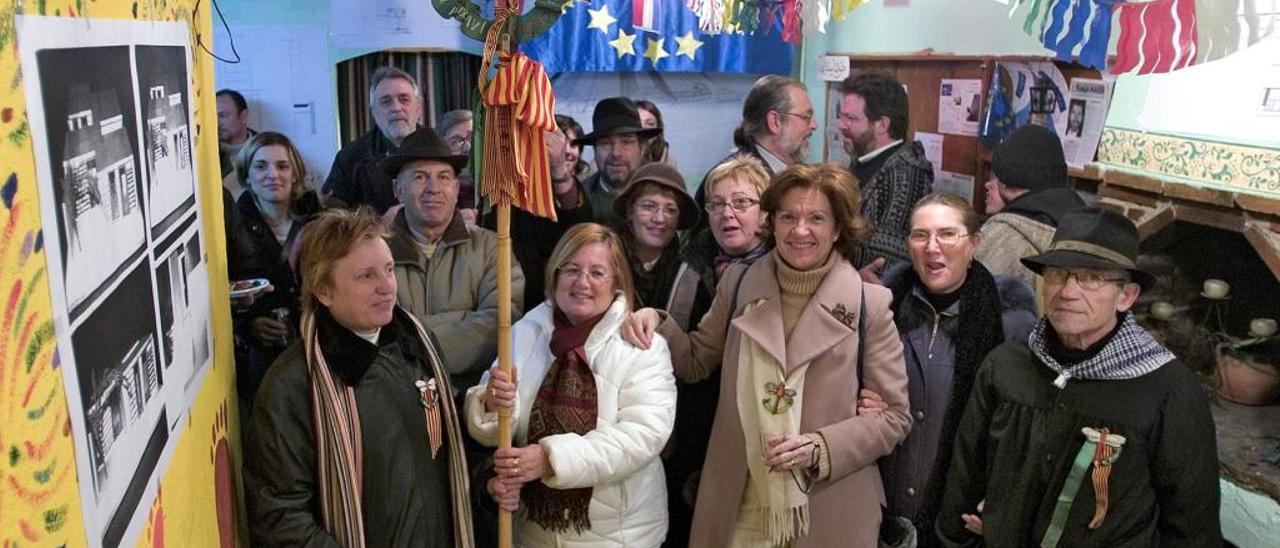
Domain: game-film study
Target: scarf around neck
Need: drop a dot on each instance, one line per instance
(1131, 353)
(565, 404)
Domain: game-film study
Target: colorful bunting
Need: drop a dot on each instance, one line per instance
(1158, 36)
(1083, 26)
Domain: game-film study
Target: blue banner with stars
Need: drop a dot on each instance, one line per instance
(600, 36)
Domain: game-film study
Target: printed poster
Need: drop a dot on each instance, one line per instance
(1086, 114)
(959, 106)
(112, 126)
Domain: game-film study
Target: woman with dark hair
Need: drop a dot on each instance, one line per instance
(652, 209)
(577, 167)
(795, 335)
(273, 209)
(590, 412)
(950, 312)
(651, 117)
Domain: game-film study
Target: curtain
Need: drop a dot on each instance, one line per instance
(446, 80)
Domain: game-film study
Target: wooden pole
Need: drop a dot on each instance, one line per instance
(504, 345)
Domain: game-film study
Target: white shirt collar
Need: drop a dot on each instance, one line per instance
(871, 155)
(776, 165)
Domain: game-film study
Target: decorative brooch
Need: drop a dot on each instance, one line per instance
(846, 317)
(780, 398)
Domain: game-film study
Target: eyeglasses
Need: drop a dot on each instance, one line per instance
(808, 118)
(945, 237)
(741, 205)
(1091, 280)
(459, 141)
(594, 276)
(652, 208)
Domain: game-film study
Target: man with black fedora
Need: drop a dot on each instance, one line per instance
(1091, 433)
(619, 141)
(1026, 196)
(446, 272)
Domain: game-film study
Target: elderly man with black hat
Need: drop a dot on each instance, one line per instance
(1026, 196)
(1091, 433)
(446, 271)
(620, 141)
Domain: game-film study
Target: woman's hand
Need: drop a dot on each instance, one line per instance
(639, 326)
(788, 452)
(501, 390)
(268, 331)
(506, 495)
(521, 464)
(870, 403)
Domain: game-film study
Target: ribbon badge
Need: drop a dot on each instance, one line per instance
(780, 398)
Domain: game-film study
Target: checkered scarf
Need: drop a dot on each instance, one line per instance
(1132, 353)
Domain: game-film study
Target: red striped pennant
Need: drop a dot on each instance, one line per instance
(1157, 36)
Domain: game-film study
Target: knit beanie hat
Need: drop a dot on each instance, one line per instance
(1030, 157)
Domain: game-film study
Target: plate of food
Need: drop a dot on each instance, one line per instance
(245, 288)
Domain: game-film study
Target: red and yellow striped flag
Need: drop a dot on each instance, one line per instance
(519, 107)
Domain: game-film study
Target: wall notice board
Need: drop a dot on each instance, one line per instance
(923, 75)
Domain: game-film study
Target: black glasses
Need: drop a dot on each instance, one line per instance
(1091, 280)
(741, 205)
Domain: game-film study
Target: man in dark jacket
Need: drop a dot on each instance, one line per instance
(396, 104)
(893, 174)
(1092, 434)
(1026, 196)
(619, 140)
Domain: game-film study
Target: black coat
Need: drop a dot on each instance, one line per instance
(1020, 435)
(356, 179)
(405, 493)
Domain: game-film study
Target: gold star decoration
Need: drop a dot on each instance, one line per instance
(624, 44)
(600, 19)
(688, 45)
(654, 50)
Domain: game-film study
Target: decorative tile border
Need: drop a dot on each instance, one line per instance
(1252, 170)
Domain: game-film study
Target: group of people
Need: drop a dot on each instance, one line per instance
(798, 355)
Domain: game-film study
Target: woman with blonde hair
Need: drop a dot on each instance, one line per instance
(795, 336)
(591, 412)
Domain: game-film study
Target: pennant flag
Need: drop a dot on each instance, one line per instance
(518, 106)
(1158, 36)
(1009, 99)
(603, 35)
(1083, 26)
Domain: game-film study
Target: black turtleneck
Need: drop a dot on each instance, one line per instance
(1067, 357)
(943, 301)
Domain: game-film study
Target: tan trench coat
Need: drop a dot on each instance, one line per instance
(845, 508)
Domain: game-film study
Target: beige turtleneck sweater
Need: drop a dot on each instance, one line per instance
(797, 287)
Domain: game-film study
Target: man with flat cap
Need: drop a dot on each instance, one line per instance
(1092, 433)
(1026, 195)
(446, 272)
(619, 141)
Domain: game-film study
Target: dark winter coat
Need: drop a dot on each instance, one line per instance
(356, 179)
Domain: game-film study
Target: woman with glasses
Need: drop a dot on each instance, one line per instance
(735, 236)
(794, 335)
(590, 411)
(950, 312)
(654, 206)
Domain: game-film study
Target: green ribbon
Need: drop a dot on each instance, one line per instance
(1068, 495)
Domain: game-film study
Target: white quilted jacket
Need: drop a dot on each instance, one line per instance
(636, 394)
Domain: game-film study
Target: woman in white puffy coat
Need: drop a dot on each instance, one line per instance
(591, 411)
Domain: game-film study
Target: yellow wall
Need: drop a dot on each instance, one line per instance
(39, 496)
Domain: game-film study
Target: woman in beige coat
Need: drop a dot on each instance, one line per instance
(790, 462)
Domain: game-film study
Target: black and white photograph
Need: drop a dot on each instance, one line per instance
(167, 134)
(111, 128)
(90, 125)
(1075, 117)
(182, 289)
(116, 356)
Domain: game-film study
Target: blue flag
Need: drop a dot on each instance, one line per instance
(601, 36)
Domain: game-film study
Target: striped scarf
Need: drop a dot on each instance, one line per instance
(336, 419)
(1131, 353)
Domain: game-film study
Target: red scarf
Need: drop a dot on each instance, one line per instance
(565, 404)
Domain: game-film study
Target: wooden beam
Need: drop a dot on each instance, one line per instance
(1258, 204)
(1267, 243)
(1145, 199)
(1207, 215)
(1200, 194)
(1133, 180)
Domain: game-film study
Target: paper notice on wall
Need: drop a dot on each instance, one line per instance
(932, 143)
(1086, 114)
(833, 68)
(955, 183)
(959, 106)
